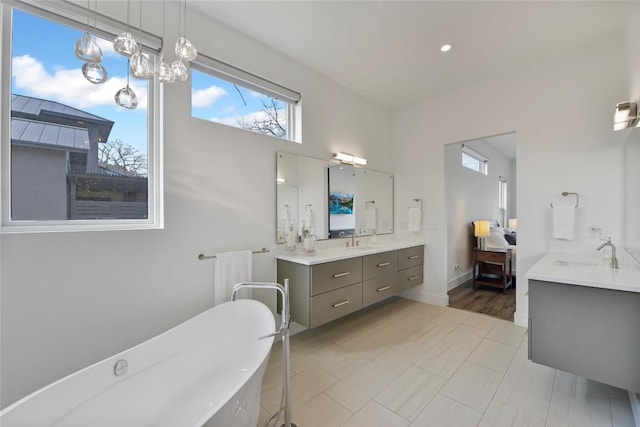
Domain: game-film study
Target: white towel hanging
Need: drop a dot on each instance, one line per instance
(372, 218)
(231, 269)
(564, 218)
(415, 219)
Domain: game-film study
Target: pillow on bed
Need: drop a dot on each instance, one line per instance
(510, 237)
(496, 240)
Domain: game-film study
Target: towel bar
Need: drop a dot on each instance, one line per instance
(565, 193)
(259, 251)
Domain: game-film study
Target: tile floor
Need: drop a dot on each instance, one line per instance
(407, 363)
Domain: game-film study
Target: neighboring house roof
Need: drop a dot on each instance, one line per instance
(43, 110)
(53, 136)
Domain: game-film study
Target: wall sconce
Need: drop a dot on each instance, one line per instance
(481, 231)
(349, 159)
(626, 115)
(513, 224)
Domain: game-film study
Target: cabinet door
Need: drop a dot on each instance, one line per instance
(380, 288)
(377, 265)
(409, 278)
(335, 304)
(334, 275)
(410, 257)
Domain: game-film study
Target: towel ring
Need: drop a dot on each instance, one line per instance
(565, 193)
(366, 204)
(419, 201)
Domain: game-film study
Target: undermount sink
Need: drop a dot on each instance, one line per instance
(570, 263)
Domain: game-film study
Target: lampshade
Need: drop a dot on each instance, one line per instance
(481, 228)
(513, 223)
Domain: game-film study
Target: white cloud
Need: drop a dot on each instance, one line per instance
(106, 46)
(207, 97)
(69, 86)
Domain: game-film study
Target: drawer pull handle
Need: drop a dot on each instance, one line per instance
(335, 276)
(384, 264)
(413, 257)
(383, 289)
(338, 304)
(412, 278)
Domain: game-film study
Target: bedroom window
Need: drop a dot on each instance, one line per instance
(72, 159)
(224, 94)
(502, 200)
(475, 161)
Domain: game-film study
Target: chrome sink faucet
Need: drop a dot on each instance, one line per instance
(614, 260)
(353, 241)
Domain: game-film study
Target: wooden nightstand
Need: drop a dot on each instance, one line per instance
(492, 268)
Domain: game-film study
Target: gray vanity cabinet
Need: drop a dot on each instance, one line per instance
(590, 332)
(380, 273)
(410, 267)
(323, 292)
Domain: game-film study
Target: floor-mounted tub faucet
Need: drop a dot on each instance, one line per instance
(614, 260)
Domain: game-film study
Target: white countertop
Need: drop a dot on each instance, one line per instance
(587, 270)
(337, 253)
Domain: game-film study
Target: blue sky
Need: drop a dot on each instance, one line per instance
(50, 70)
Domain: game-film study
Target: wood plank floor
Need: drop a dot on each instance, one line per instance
(484, 300)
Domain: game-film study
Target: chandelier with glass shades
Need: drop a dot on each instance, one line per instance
(139, 64)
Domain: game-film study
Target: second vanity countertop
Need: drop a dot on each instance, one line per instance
(587, 270)
(337, 253)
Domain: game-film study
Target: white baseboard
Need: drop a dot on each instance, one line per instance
(457, 281)
(634, 400)
(521, 319)
(417, 294)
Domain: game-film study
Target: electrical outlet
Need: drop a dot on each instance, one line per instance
(596, 231)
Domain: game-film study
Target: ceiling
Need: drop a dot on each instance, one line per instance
(389, 51)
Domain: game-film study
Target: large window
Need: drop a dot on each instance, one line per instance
(502, 200)
(71, 157)
(475, 161)
(225, 94)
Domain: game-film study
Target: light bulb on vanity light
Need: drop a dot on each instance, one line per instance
(349, 159)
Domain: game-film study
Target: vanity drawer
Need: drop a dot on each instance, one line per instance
(335, 304)
(380, 288)
(377, 265)
(410, 257)
(409, 277)
(337, 274)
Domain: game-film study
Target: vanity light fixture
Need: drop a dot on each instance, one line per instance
(626, 115)
(349, 159)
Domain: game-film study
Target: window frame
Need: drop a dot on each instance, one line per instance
(503, 200)
(483, 162)
(72, 15)
(227, 72)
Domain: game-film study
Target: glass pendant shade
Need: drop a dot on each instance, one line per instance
(140, 66)
(185, 50)
(180, 70)
(125, 44)
(126, 98)
(164, 73)
(87, 49)
(94, 72)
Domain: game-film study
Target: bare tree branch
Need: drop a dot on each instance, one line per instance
(123, 158)
(270, 123)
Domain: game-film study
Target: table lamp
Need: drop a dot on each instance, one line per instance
(481, 231)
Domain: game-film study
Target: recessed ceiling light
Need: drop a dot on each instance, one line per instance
(446, 47)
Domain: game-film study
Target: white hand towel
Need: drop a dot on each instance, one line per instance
(308, 218)
(564, 219)
(415, 219)
(372, 218)
(232, 268)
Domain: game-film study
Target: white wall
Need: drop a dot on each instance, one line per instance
(561, 112)
(71, 299)
(469, 196)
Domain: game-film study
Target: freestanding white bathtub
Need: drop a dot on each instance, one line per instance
(206, 371)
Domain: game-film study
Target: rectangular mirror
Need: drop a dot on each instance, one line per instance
(334, 200)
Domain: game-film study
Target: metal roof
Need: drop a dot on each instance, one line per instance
(49, 135)
(42, 110)
(34, 106)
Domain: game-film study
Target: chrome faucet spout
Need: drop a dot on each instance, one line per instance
(614, 259)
